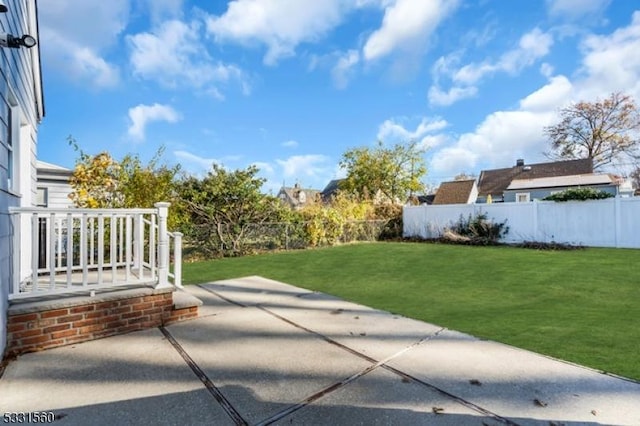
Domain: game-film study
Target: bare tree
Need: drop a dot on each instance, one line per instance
(604, 131)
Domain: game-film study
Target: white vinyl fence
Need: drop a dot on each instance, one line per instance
(613, 222)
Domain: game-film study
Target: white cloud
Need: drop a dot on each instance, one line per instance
(163, 9)
(531, 47)
(439, 97)
(202, 163)
(304, 165)
(174, 55)
(504, 136)
(343, 70)
(406, 25)
(279, 24)
(264, 167)
(549, 97)
(77, 50)
(574, 9)
(141, 115)
(611, 62)
(290, 144)
(394, 131)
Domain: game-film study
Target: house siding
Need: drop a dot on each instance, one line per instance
(540, 193)
(19, 87)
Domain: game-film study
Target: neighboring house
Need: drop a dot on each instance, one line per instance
(457, 192)
(495, 182)
(525, 190)
(21, 110)
(298, 197)
(53, 186)
(331, 190)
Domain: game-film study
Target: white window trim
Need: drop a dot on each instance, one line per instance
(13, 146)
(526, 194)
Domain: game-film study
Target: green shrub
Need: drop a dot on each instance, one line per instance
(578, 194)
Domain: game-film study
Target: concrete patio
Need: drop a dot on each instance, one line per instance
(264, 352)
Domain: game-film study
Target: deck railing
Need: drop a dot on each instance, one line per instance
(77, 250)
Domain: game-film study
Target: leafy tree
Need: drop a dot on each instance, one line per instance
(464, 176)
(100, 181)
(94, 181)
(222, 207)
(603, 130)
(380, 172)
(635, 178)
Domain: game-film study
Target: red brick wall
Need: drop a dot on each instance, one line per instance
(30, 332)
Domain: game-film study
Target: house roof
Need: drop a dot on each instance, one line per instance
(456, 192)
(561, 181)
(293, 195)
(495, 181)
(47, 172)
(331, 189)
(43, 165)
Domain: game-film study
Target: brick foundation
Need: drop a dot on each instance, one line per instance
(84, 320)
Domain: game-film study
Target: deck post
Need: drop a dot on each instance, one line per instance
(177, 259)
(163, 245)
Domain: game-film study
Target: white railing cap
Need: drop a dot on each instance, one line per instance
(65, 211)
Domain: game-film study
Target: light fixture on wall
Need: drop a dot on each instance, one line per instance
(3, 7)
(7, 40)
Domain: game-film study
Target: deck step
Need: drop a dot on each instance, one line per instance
(183, 299)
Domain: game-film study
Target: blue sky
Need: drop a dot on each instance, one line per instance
(289, 85)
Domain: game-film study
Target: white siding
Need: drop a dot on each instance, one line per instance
(19, 85)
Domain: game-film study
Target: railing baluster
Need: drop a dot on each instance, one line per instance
(69, 248)
(52, 250)
(58, 252)
(127, 248)
(139, 245)
(100, 247)
(83, 250)
(113, 231)
(35, 251)
(92, 240)
(121, 240)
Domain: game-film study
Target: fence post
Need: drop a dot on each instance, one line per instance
(617, 220)
(163, 245)
(177, 259)
(536, 204)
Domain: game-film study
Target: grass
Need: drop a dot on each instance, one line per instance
(582, 306)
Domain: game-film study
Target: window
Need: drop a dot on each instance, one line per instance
(13, 135)
(42, 197)
(522, 197)
(10, 156)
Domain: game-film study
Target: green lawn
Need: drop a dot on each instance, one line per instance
(582, 306)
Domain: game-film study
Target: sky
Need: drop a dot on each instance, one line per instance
(290, 85)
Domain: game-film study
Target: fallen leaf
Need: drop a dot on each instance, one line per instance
(539, 403)
(594, 412)
(363, 334)
(475, 382)
(357, 317)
